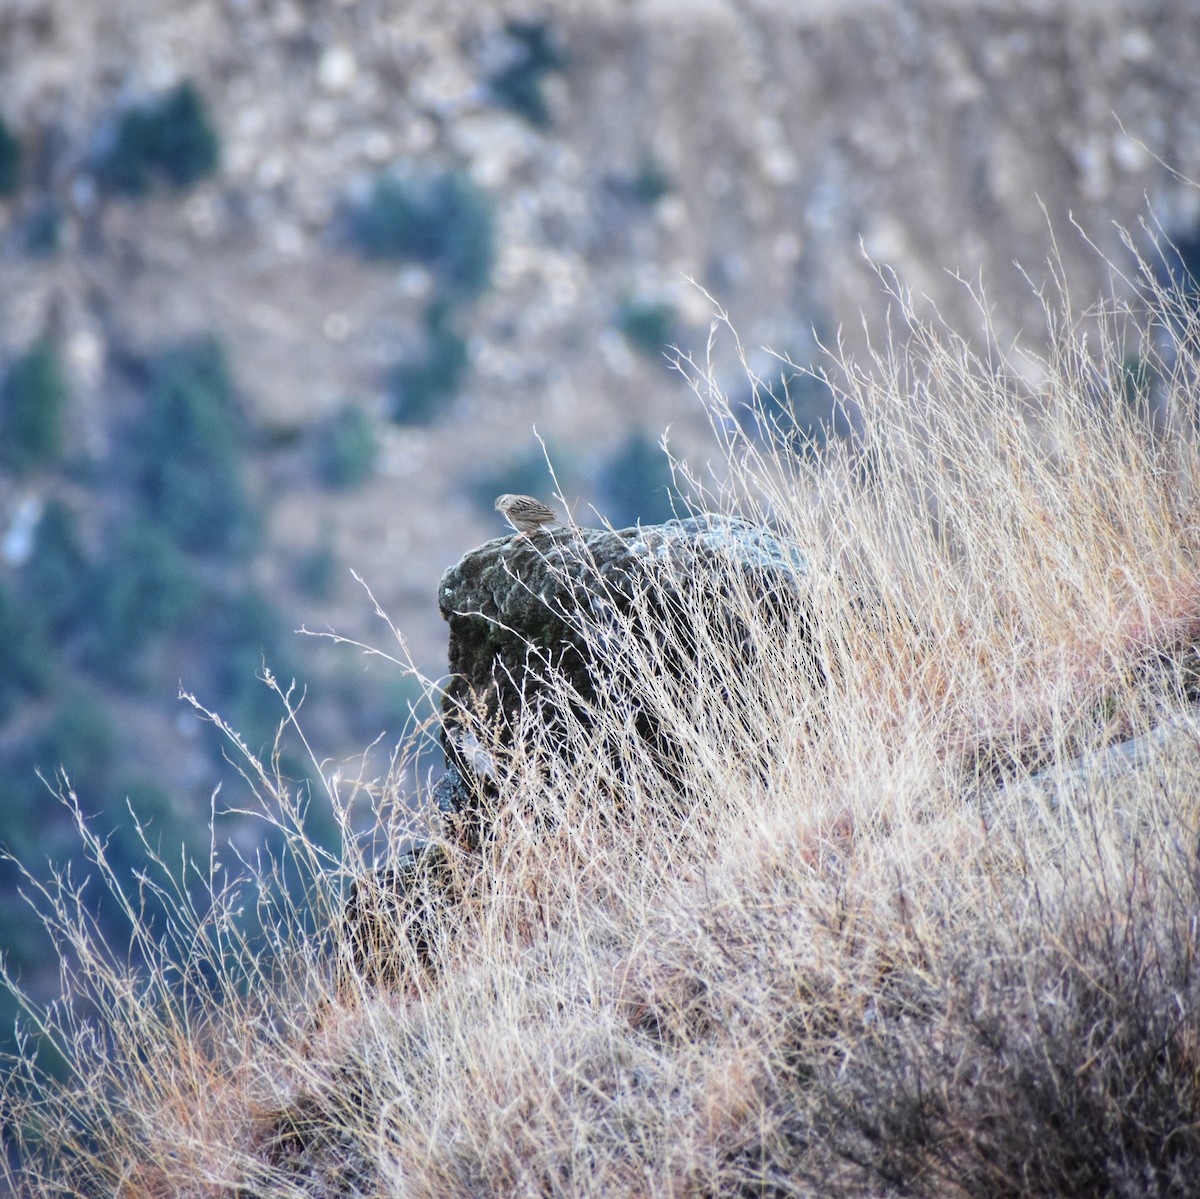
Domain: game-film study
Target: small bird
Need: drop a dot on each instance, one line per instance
(526, 514)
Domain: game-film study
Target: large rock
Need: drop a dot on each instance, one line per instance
(558, 615)
(555, 611)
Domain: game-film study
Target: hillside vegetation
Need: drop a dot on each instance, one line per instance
(892, 922)
(289, 286)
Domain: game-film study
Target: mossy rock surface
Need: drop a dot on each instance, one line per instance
(529, 615)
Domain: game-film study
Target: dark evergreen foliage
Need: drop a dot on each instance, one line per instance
(10, 161)
(56, 580)
(636, 483)
(170, 139)
(423, 385)
(33, 402)
(517, 83)
(348, 449)
(648, 326)
(25, 662)
(186, 451)
(442, 220)
(143, 588)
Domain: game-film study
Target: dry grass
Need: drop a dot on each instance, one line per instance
(838, 941)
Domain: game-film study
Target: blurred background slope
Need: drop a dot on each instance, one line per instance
(287, 287)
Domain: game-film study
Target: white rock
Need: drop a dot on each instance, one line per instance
(337, 69)
(1130, 154)
(17, 545)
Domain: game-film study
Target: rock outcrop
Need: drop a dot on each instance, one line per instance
(563, 625)
(534, 619)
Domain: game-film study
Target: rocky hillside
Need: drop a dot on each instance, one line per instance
(437, 227)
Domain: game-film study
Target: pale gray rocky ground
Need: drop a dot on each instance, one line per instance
(947, 140)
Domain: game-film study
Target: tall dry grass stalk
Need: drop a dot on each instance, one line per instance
(873, 922)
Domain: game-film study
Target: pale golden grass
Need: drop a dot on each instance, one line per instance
(651, 979)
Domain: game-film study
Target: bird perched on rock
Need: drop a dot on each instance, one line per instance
(526, 514)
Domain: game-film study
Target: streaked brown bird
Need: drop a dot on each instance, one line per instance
(526, 514)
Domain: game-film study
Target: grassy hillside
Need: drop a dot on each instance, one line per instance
(289, 286)
(893, 924)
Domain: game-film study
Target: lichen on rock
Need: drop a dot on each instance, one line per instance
(579, 616)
